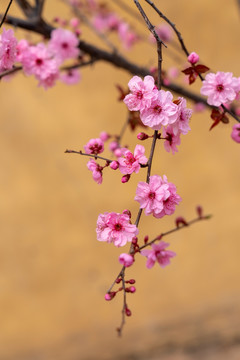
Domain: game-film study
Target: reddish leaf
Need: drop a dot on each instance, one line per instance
(188, 71)
(201, 68)
(192, 77)
(216, 122)
(122, 92)
(215, 114)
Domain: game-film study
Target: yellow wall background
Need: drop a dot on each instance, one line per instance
(53, 272)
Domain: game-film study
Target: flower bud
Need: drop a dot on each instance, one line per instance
(142, 136)
(125, 178)
(114, 165)
(127, 212)
(126, 259)
(109, 296)
(193, 58)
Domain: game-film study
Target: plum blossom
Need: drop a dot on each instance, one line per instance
(71, 76)
(96, 169)
(127, 36)
(184, 115)
(22, 47)
(236, 133)
(164, 32)
(94, 147)
(38, 61)
(8, 49)
(64, 44)
(162, 111)
(158, 197)
(172, 140)
(106, 21)
(130, 163)
(159, 254)
(220, 88)
(115, 228)
(126, 259)
(142, 93)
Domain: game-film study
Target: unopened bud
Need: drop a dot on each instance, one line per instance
(127, 212)
(193, 58)
(146, 239)
(109, 296)
(125, 178)
(199, 210)
(142, 136)
(128, 312)
(114, 165)
(180, 221)
(132, 289)
(131, 281)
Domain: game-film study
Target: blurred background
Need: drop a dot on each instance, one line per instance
(53, 271)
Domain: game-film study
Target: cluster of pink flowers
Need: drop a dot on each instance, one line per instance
(115, 228)
(159, 254)
(105, 21)
(158, 197)
(220, 88)
(94, 146)
(129, 163)
(157, 109)
(41, 60)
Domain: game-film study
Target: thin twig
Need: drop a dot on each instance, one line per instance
(5, 14)
(90, 155)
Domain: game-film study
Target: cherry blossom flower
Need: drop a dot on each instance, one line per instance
(219, 87)
(142, 93)
(71, 76)
(115, 228)
(172, 140)
(8, 49)
(106, 21)
(94, 146)
(64, 44)
(162, 111)
(164, 32)
(236, 133)
(159, 254)
(184, 115)
(126, 259)
(127, 36)
(158, 197)
(38, 61)
(22, 47)
(50, 80)
(130, 163)
(96, 169)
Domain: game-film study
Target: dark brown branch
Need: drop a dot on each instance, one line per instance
(90, 155)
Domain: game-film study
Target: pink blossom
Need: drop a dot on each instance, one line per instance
(115, 228)
(164, 32)
(236, 133)
(199, 107)
(159, 197)
(172, 140)
(74, 22)
(113, 145)
(159, 254)
(8, 49)
(127, 36)
(22, 47)
(71, 76)
(50, 80)
(96, 171)
(219, 87)
(184, 115)
(193, 58)
(126, 259)
(130, 163)
(37, 60)
(142, 93)
(161, 112)
(104, 136)
(106, 21)
(94, 146)
(64, 44)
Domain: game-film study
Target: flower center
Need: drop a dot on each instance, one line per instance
(39, 62)
(157, 109)
(64, 45)
(220, 87)
(139, 95)
(151, 195)
(118, 227)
